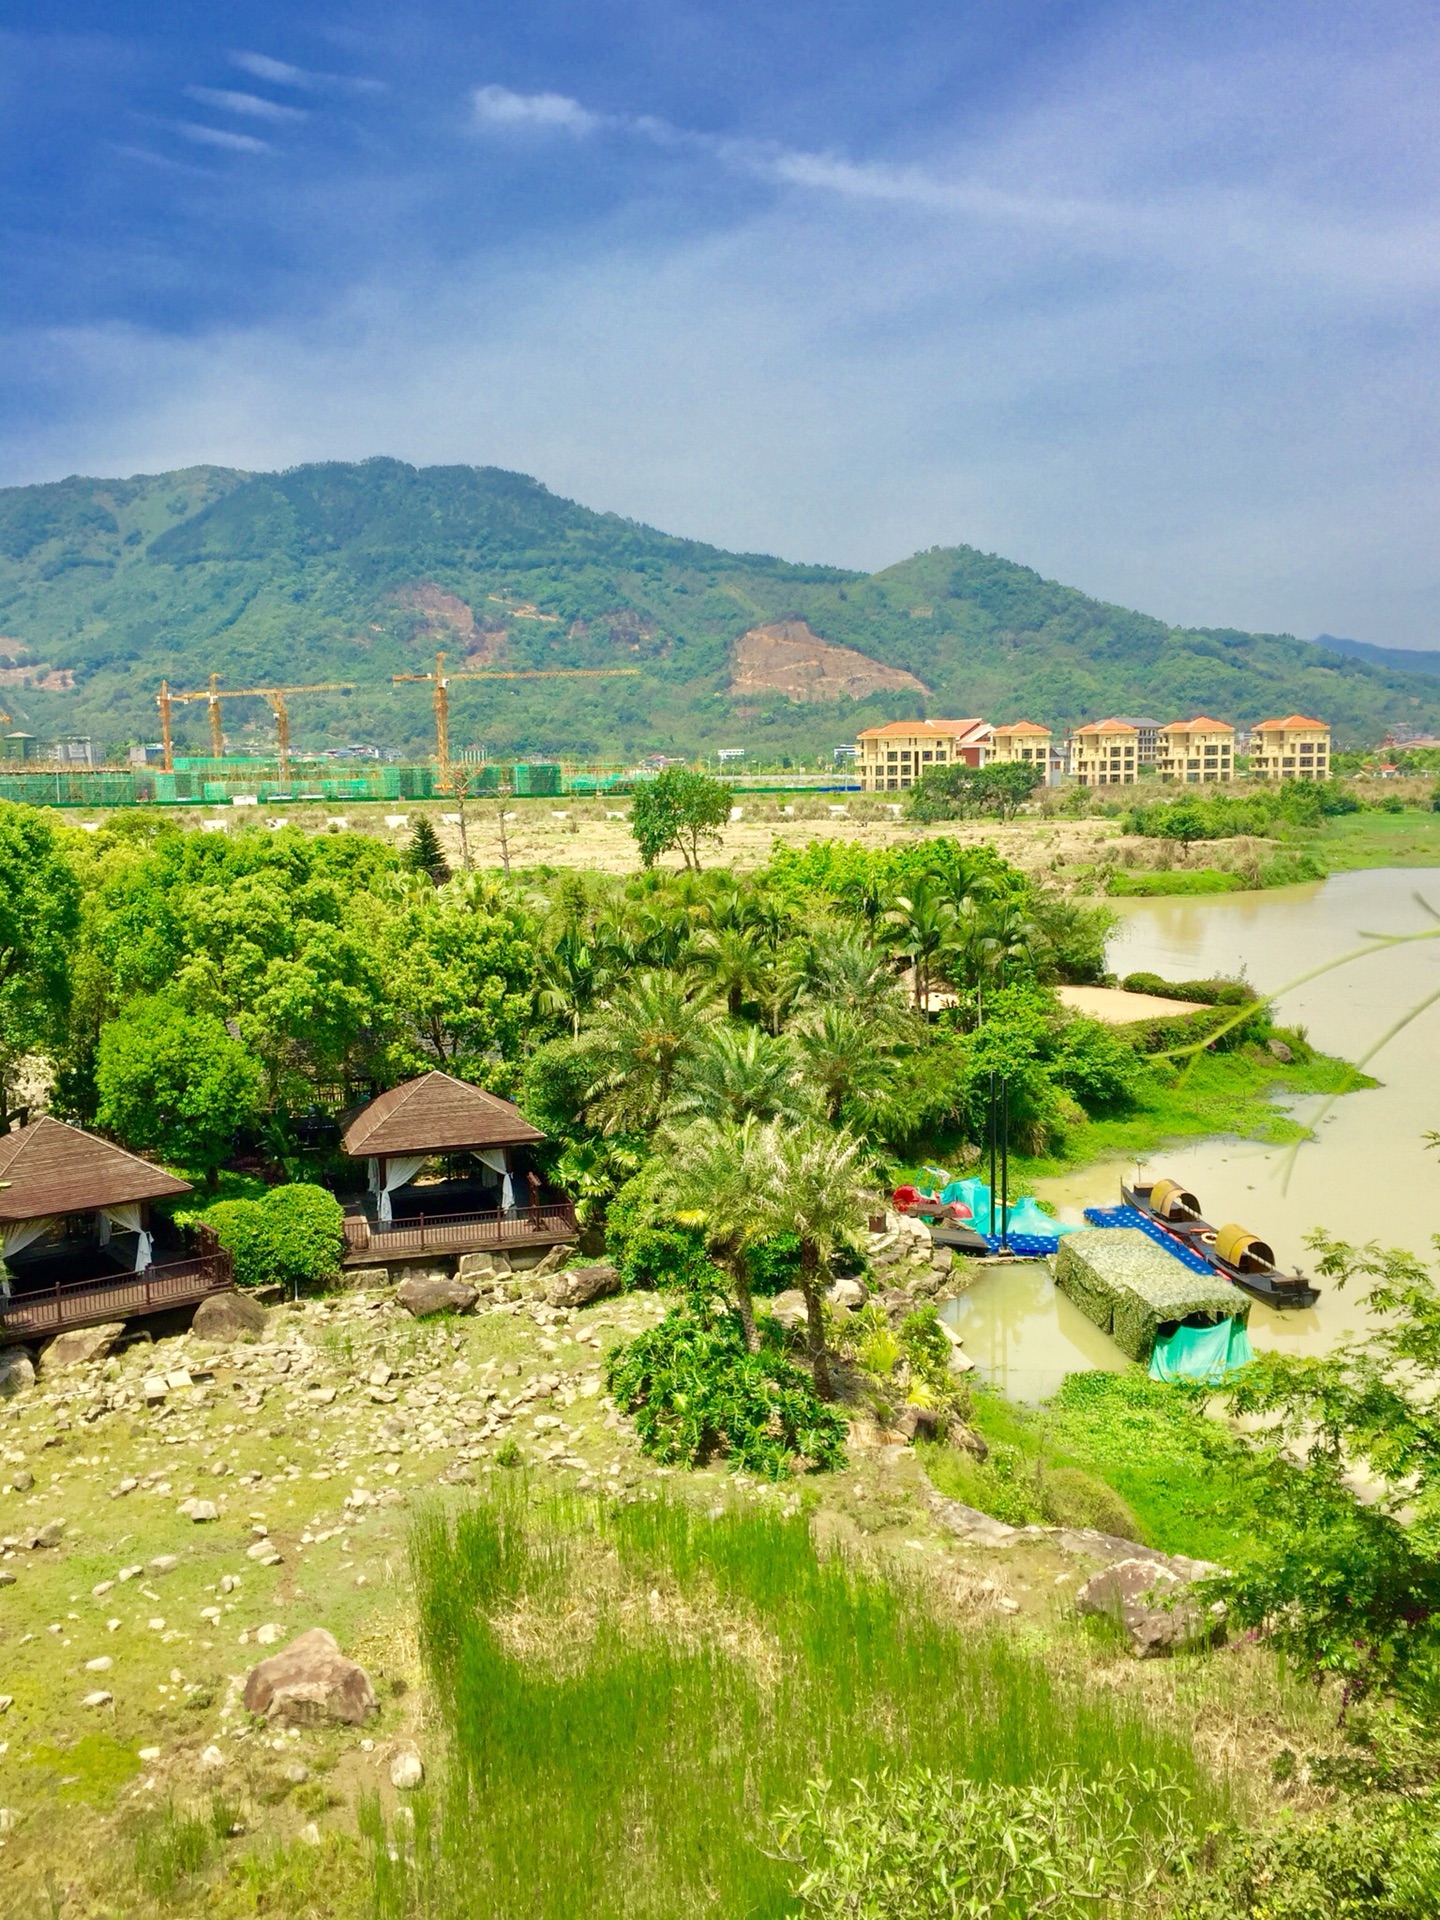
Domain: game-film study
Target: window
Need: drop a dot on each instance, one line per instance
(927, 756)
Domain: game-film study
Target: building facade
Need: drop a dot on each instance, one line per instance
(1194, 752)
(1104, 754)
(1022, 740)
(893, 757)
(1147, 738)
(1293, 749)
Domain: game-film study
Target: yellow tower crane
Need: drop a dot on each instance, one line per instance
(214, 695)
(441, 680)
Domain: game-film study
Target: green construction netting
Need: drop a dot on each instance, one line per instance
(1202, 1353)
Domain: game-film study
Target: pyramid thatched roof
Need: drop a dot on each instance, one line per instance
(51, 1168)
(436, 1114)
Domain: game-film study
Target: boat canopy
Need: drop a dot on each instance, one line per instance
(1169, 1198)
(1238, 1247)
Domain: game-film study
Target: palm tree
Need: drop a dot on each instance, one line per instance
(816, 1187)
(841, 968)
(924, 923)
(735, 960)
(843, 1058)
(566, 977)
(738, 1074)
(716, 1172)
(639, 1044)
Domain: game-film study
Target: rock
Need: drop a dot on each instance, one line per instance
(789, 1308)
(579, 1286)
(73, 1349)
(296, 1774)
(849, 1293)
(918, 1423)
(101, 1664)
(98, 1699)
(50, 1534)
(154, 1388)
(968, 1440)
(212, 1759)
(925, 1285)
(1156, 1607)
(263, 1554)
(310, 1834)
(367, 1279)
(7, 1578)
(310, 1682)
(199, 1510)
(228, 1317)
(267, 1635)
(16, 1372)
(7, 1700)
(942, 1259)
(406, 1771)
(379, 1375)
(960, 1361)
(1285, 1055)
(165, 1563)
(23, 1481)
(434, 1293)
(147, 1754)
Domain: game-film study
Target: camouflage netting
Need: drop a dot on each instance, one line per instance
(1128, 1286)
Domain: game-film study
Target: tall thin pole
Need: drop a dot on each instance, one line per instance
(442, 723)
(217, 721)
(991, 1124)
(169, 750)
(1005, 1166)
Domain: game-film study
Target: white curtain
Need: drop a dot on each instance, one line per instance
(397, 1173)
(15, 1234)
(493, 1158)
(127, 1218)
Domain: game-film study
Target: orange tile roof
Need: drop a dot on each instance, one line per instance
(1201, 725)
(1295, 720)
(1025, 726)
(1109, 726)
(923, 729)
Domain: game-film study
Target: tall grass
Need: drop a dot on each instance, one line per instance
(631, 1694)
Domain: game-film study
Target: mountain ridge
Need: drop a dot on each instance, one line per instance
(359, 570)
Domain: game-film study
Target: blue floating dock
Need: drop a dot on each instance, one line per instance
(1132, 1217)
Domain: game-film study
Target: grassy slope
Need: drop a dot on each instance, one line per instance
(1380, 840)
(294, 576)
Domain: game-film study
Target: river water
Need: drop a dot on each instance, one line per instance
(1368, 1175)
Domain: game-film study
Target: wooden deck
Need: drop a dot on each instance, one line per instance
(126, 1296)
(546, 1225)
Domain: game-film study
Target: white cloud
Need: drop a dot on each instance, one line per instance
(557, 112)
(280, 73)
(249, 104)
(221, 137)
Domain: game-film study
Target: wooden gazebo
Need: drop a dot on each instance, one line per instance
(75, 1234)
(401, 1132)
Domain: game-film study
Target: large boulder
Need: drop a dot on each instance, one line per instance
(366, 1279)
(16, 1372)
(919, 1423)
(789, 1308)
(73, 1349)
(849, 1293)
(309, 1683)
(1155, 1605)
(578, 1286)
(228, 1317)
(487, 1266)
(425, 1293)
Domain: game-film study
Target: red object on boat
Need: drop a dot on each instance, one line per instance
(905, 1197)
(960, 1211)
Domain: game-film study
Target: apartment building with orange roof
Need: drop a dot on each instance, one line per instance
(1104, 754)
(1292, 749)
(894, 756)
(1196, 752)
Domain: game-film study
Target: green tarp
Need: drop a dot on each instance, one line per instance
(1202, 1353)
(1130, 1287)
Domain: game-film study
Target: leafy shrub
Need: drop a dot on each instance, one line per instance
(925, 1846)
(1097, 1065)
(1176, 880)
(294, 1236)
(1073, 1498)
(775, 1264)
(649, 1246)
(696, 1393)
(1375, 1860)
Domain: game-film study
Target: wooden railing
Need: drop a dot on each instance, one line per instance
(461, 1232)
(124, 1296)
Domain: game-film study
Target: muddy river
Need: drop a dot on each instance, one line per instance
(1367, 1175)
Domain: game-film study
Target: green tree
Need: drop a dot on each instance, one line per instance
(39, 919)
(818, 1184)
(176, 1084)
(293, 1236)
(739, 1073)
(845, 1059)
(679, 809)
(737, 961)
(639, 1045)
(961, 792)
(425, 854)
(715, 1177)
(924, 929)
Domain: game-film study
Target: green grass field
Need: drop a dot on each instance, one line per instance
(1409, 839)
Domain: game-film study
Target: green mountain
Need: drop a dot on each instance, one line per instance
(357, 572)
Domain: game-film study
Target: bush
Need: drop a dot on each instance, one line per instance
(1178, 880)
(292, 1237)
(696, 1393)
(1097, 1065)
(649, 1246)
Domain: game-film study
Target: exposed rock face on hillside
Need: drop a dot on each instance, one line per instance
(446, 621)
(787, 657)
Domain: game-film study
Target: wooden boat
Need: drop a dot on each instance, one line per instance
(1231, 1250)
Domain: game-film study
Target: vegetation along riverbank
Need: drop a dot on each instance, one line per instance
(683, 1569)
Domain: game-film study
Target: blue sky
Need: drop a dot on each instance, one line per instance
(1144, 295)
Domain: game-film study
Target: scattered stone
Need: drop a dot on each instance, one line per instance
(226, 1317)
(127, 1485)
(7, 1578)
(968, 1440)
(310, 1682)
(212, 1759)
(179, 1380)
(263, 1554)
(9, 1819)
(154, 1388)
(296, 1774)
(101, 1664)
(16, 1372)
(162, 1563)
(379, 1375)
(406, 1771)
(579, 1286)
(23, 1481)
(434, 1293)
(918, 1423)
(99, 1591)
(199, 1510)
(1285, 1055)
(98, 1699)
(789, 1308)
(849, 1293)
(7, 1700)
(267, 1635)
(81, 1344)
(51, 1534)
(1156, 1607)
(147, 1754)
(310, 1834)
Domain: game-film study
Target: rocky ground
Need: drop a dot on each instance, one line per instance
(176, 1510)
